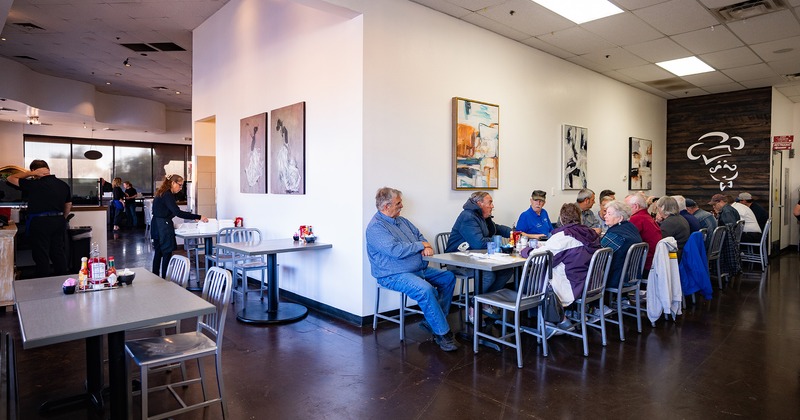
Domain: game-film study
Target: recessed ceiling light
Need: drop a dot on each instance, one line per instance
(177, 92)
(581, 11)
(118, 74)
(108, 83)
(685, 66)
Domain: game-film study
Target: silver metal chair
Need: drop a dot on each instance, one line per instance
(715, 251)
(758, 252)
(248, 264)
(629, 281)
(738, 229)
(704, 231)
(148, 218)
(536, 275)
(592, 292)
(220, 257)
(195, 249)
(205, 341)
(462, 281)
(400, 318)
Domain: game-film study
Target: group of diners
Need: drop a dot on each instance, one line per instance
(395, 247)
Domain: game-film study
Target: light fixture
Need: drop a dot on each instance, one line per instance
(34, 120)
(126, 63)
(685, 66)
(92, 154)
(581, 11)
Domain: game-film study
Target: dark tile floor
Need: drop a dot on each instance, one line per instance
(736, 357)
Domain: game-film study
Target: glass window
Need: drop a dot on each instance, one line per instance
(86, 173)
(56, 154)
(168, 159)
(133, 164)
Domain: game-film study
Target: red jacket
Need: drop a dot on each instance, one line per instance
(650, 232)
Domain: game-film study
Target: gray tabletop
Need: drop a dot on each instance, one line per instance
(48, 316)
(194, 234)
(272, 246)
(494, 263)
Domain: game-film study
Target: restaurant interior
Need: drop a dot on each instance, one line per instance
(365, 95)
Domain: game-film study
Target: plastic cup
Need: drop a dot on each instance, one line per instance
(491, 248)
(498, 241)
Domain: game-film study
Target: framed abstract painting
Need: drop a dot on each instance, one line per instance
(288, 150)
(253, 154)
(476, 145)
(574, 146)
(640, 169)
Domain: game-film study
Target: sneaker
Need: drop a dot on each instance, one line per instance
(550, 332)
(606, 311)
(491, 312)
(566, 325)
(625, 302)
(446, 342)
(427, 327)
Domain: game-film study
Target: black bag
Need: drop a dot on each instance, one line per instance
(553, 310)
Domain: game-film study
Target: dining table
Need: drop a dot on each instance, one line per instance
(272, 311)
(49, 316)
(191, 231)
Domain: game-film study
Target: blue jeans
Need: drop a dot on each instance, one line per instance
(432, 288)
(492, 281)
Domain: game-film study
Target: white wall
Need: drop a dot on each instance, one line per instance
(379, 113)
(786, 121)
(11, 148)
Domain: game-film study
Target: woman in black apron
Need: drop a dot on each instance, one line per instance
(162, 231)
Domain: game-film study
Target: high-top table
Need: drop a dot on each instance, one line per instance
(47, 316)
(273, 312)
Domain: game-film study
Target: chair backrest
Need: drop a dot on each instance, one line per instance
(440, 244)
(738, 228)
(217, 291)
(536, 275)
(178, 270)
(765, 235)
(633, 267)
(598, 273)
(717, 238)
(704, 231)
(148, 211)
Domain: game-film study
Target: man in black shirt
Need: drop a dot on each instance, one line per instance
(49, 203)
(761, 215)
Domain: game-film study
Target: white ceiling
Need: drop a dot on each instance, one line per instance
(80, 40)
(755, 52)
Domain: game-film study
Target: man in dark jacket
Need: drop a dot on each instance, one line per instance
(761, 215)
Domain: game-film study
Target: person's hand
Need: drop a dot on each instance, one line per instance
(427, 252)
(204, 219)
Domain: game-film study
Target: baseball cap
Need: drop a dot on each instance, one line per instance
(745, 196)
(539, 195)
(690, 203)
(717, 198)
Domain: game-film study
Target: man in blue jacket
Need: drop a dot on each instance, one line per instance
(395, 248)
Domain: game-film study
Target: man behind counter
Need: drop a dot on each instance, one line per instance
(49, 203)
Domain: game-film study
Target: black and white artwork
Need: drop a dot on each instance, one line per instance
(253, 154)
(574, 142)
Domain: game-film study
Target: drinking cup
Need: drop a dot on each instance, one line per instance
(491, 248)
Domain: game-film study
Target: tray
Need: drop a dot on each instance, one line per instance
(105, 284)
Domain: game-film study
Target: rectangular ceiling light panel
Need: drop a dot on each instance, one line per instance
(685, 66)
(581, 11)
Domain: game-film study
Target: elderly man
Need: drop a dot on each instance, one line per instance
(585, 202)
(49, 203)
(761, 215)
(694, 224)
(647, 228)
(474, 225)
(535, 222)
(751, 231)
(395, 248)
(726, 215)
(705, 218)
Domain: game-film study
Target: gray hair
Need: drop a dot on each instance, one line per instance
(667, 205)
(620, 209)
(681, 202)
(385, 196)
(478, 196)
(638, 199)
(583, 195)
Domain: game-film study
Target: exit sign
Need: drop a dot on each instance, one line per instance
(782, 142)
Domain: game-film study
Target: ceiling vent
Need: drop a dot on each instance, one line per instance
(792, 77)
(153, 47)
(748, 9)
(28, 26)
(2, 108)
(670, 85)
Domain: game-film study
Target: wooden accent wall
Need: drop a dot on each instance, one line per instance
(744, 114)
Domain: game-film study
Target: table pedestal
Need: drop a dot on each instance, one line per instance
(271, 311)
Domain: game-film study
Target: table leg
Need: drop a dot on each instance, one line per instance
(94, 380)
(208, 244)
(118, 375)
(272, 311)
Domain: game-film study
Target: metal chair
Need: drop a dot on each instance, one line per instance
(536, 275)
(248, 264)
(738, 229)
(195, 249)
(758, 252)
(205, 341)
(148, 218)
(704, 231)
(592, 292)
(462, 281)
(220, 257)
(400, 318)
(715, 251)
(629, 281)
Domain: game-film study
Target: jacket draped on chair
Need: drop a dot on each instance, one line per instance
(664, 283)
(694, 267)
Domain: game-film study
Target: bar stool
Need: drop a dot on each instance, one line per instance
(400, 318)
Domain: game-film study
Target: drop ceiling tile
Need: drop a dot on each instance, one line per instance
(528, 17)
(765, 82)
(646, 73)
(614, 58)
(444, 7)
(661, 49)
(548, 48)
(716, 4)
(475, 5)
(654, 91)
(591, 65)
(636, 4)
(688, 93)
(496, 27)
(576, 40)
(708, 79)
(790, 90)
(756, 71)
(708, 40)
(736, 57)
(623, 29)
(788, 66)
(728, 87)
(767, 50)
(684, 16)
(620, 77)
(767, 27)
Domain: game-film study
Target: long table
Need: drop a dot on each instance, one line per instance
(47, 316)
(208, 245)
(274, 312)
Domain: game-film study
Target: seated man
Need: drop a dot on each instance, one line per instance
(475, 226)
(752, 231)
(705, 218)
(761, 214)
(585, 202)
(534, 222)
(645, 224)
(694, 224)
(395, 248)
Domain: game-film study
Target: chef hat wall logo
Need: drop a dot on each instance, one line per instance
(716, 149)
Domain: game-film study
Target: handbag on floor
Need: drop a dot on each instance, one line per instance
(553, 311)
